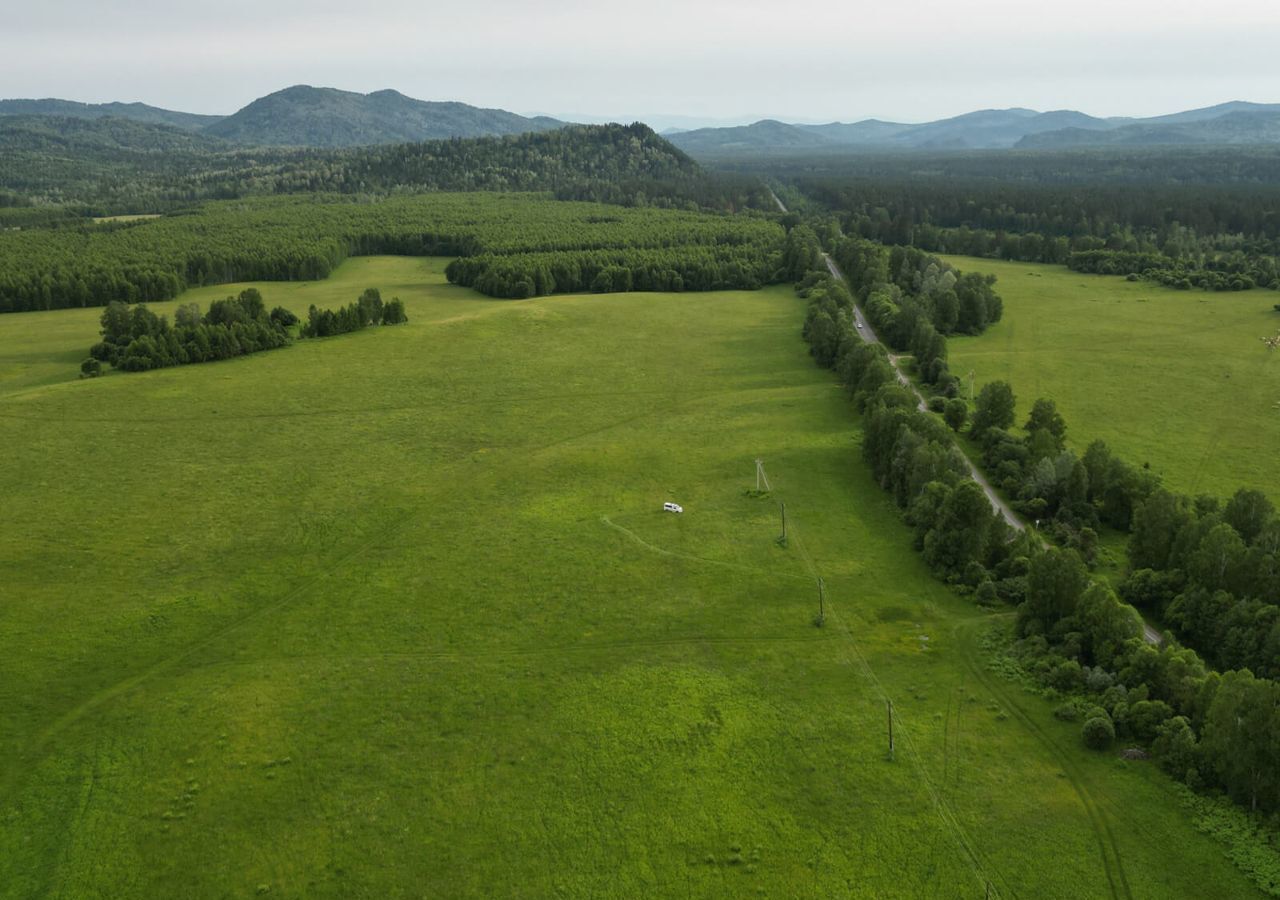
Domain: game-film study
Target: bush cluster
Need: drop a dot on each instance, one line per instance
(135, 339)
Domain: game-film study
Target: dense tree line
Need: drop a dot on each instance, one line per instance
(1208, 570)
(114, 165)
(295, 238)
(1069, 497)
(687, 268)
(914, 301)
(367, 310)
(136, 339)
(1210, 223)
(1155, 167)
(1211, 571)
(1229, 271)
(1202, 727)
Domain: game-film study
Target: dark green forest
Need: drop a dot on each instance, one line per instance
(518, 239)
(115, 166)
(1189, 218)
(135, 339)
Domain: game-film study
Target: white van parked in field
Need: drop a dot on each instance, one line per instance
(673, 507)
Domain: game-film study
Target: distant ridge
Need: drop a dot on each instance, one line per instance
(762, 135)
(326, 117)
(1231, 128)
(1237, 122)
(138, 112)
(308, 116)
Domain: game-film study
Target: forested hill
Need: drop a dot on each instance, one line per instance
(1231, 128)
(88, 136)
(109, 166)
(306, 116)
(1236, 122)
(137, 112)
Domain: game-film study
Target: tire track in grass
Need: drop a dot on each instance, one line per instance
(700, 559)
(1108, 848)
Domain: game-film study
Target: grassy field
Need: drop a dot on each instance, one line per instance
(397, 614)
(1177, 379)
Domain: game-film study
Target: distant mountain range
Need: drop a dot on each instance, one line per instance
(1237, 122)
(307, 116)
(138, 112)
(310, 117)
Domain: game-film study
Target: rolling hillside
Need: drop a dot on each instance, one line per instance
(306, 116)
(326, 117)
(1236, 122)
(138, 112)
(1259, 127)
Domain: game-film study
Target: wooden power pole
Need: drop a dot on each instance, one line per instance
(889, 708)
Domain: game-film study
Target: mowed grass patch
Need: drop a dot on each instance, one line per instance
(1177, 379)
(399, 614)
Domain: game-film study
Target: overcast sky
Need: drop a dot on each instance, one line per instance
(811, 60)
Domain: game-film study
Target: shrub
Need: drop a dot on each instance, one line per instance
(1098, 733)
(90, 368)
(1098, 680)
(1067, 712)
(1067, 677)
(986, 595)
(393, 312)
(283, 317)
(1146, 717)
(1175, 746)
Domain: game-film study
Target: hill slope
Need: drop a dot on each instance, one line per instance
(1232, 128)
(138, 112)
(1237, 122)
(326, 117)
(87, 136)
(117, 166)
(767, 134)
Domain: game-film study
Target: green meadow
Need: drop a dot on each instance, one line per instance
(1177, 379)
(399, 614)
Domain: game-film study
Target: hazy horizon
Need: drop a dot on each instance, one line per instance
(709, 61)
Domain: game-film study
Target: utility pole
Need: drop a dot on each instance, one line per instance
(822, 601)
(759, 467)
(889, 707)
(971, 385)
(782, 538)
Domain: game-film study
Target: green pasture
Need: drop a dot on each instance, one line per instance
(1177, 379)
(398, 614)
